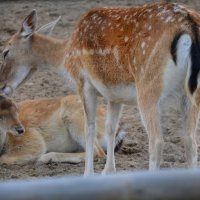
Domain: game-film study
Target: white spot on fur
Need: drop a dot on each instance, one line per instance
(100, 21)
(180, 19)
(91, 51)
(78, 53)
(107, 51)
(100, 51)
(94, 16)
(135, 14)
(126, 16)
(84, 52)
(149, 28)
(116, 53)
(168, 19)
(126, 39)
(173, 19)
(118, 17)
(143, 45)
(134, 61)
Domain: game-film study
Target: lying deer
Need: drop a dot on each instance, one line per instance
(9, 120)
(54, 131)
(150, 52)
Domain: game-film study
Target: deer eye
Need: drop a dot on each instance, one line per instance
(5, 53)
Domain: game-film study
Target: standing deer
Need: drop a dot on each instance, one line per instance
(149, 52)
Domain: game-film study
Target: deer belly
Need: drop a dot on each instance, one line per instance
(120, 93)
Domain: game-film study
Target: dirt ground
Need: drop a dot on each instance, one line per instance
(47, 84)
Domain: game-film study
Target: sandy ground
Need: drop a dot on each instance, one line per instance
(47, 84)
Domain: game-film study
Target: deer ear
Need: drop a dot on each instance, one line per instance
(48, 28)
(29, 24)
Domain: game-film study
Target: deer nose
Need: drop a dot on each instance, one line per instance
(19, 129)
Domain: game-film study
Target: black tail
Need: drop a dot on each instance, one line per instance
(194, 54)
(195, 59)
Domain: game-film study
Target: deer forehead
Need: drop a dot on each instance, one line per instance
(14, 39)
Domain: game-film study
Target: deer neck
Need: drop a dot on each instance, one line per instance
(50, 51)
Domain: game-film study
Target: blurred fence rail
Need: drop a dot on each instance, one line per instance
(144, 185)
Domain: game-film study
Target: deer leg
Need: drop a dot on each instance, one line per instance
(88, 95)
(190, 125)
(73, 158)
(151, 119)
(113, 112)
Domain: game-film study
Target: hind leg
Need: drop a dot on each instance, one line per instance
(151, 119)
(190, 124)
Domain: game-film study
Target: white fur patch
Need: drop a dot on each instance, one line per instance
(183, 50)
(174, 76)
(121, 93)
(20, 75)
(173, 79)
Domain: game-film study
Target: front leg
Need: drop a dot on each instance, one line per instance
(73, 158)
(88, 95)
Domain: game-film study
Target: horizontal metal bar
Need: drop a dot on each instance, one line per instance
(162, 185)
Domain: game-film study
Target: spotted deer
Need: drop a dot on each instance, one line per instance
(148, 52)
(54, 132)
